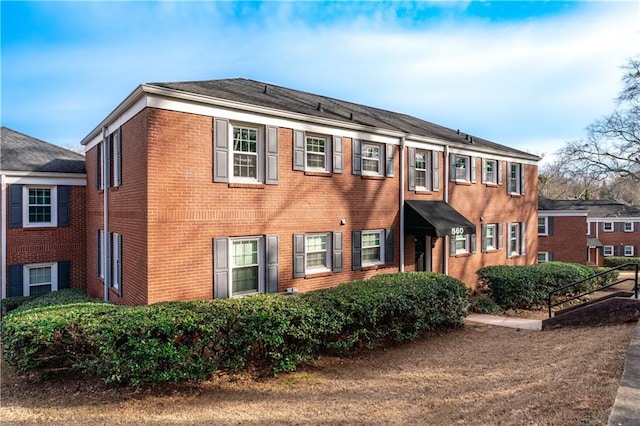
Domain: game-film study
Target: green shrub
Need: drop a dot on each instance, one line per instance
(182, 341)
(613, 261)
(528, 286)
(483, 305)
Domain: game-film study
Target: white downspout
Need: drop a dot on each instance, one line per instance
(446, 240)
(402, 141)
(595, 225)
(105, 213)
(3, 226)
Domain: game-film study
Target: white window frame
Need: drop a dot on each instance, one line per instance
(607, 251)
(426, 170)
(588, 228)
(467, 168)
(117, 173)
(605, 225)
(117, 261)
(258, 154)
(513, 182)
(26, 276)
(380, 159)
(467, 243)
(327, 254)
(514, 228)
(307, 152)
(629, 228)
(629, 251)
(545, 232)
(491, 179)
(545, 256)
(380, 260)
(261, 265)
(493, 238)
(54, 207)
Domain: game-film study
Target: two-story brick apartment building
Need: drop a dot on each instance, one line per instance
(586, 231)
(229, 187)
(43, 216)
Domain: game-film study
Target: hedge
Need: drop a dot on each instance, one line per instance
(188, 341)
(613, 261)
(528, 286)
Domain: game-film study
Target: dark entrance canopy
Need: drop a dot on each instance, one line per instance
(594, 242)
(434, 218)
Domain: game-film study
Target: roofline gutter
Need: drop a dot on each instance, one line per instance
(143, 89)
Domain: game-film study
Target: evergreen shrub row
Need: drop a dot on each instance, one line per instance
(613, 261)
(188, 341)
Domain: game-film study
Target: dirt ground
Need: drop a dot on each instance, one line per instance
(479, 375)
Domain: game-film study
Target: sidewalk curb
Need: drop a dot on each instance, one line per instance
(626, 408)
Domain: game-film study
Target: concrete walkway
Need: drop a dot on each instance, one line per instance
(626, 408)
(511, 322)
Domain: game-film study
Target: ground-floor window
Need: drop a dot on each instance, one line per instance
(629, 250)
(544, 256)
(372, 247)
(40, 279)
(245, 266)
(607, 250)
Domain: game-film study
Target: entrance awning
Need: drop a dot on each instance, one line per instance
(594, 242)
(434, 218)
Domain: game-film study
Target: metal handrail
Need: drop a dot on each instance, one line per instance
(635, 286)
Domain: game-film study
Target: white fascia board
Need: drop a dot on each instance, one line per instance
(501, 156)
(42, 178)
(135, 107)
(437, 146)
(612, 219)
(561, 213)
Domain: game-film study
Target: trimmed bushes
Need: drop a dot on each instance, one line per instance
(613, 261)
(182, 341)
(527, 286)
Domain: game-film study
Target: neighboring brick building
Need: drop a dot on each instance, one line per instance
(212, 189)
(43, 216)
(586, 231)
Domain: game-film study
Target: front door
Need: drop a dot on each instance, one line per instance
(423, 253)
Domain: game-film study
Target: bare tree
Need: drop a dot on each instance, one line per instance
(612, 146)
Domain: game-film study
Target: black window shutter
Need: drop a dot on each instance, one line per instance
(523, 238)
(117, 177)
(64, 275)
(388, 246)
(550, 225)
(64, 214)
(119, 264)
(272, 263)
(98, 253)
(298, 255)
(483, 241)
(337, 252)
(15, 206)
(356, 261)
(411, 152)
(298, 150)
(220, 268)
(357, 157)
(15, 281)
(473, 168)
(550, 256)
(473, 243)
(338, 157)
(98, 167)
(452, 167)
(272, 156)
(500, 236)
(483, 167)
(522, 180)
(220, 150)
(436, 171)
(500, 173)
(390, 156)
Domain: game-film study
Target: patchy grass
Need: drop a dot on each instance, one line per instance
(478, 375)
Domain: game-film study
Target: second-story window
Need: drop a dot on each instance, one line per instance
(245, 153)
(607, 226)
(490, 171)
(515, 178)
(461, 165)
(371, 159)
(422, 169)
(316, 149)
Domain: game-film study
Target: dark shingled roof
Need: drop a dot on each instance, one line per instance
(594, 208)
(281, 98)
(22, 153)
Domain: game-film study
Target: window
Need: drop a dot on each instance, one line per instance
(316, 149)
(514, 178)
(516, 239)
(245, 267)
(98, 166)
(607, 226)
(461, 168)
(372, 247)
(629, 250)
(628, 227)
(542, 225)
(317, 253)
(608, 251)
(543, 256)
(116, 263)
(40, 206)
(490, 171)
(461, 242)
(422, 173)
(245, 153)
(40, 279)
(490, 237)
(371, 159)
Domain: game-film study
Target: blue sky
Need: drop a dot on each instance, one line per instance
(531, 75)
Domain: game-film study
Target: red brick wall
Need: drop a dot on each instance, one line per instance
(53, 244)
(617, 238)
(568, 242)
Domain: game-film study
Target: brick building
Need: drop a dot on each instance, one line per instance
(43, 216)
(213, 189)
(586, 231)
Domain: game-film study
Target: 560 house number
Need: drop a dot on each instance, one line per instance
(457, 231)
